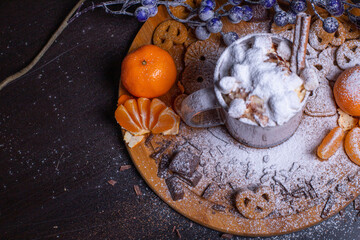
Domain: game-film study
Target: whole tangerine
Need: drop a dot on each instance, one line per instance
(347, 91)
(148, 72)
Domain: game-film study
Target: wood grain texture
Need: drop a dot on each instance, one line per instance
(195, 207)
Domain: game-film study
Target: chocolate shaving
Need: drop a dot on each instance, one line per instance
(264, 178)
(163, 166)
(341, 188)
(266, 158)
(328, 205)
(148, 139)
(184, 163)
(218, 207)
(311, 191)
(193, 180)
(330, 181)
(357, 203)
(351, 177)
(125, 167)
(175, 188)
(278, 182)
(137, 190)
(157, 154)
(297, 193)
(112, 182)
(209, 191)
(226, 236)
(178, 233)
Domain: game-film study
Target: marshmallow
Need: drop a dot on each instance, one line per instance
(310, 78)
(237, 108)
(263, 42)
(226, 84)
(284, 50)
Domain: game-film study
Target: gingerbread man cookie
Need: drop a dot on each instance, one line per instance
(321, 103)
(168, 33)
(348, 55)
(256, 205)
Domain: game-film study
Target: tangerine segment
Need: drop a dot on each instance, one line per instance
(156, 107)
(132, 108)
(144, 109)
(352, 145)
(167, 120)
(123, 98)
(123, 118)
(330, 143)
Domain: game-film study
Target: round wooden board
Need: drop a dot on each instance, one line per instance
(198, 209)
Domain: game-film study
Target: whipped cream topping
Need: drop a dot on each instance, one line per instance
(259, 71)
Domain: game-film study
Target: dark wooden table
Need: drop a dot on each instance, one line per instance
(60, 144)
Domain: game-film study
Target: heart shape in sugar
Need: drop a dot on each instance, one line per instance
(321, 103)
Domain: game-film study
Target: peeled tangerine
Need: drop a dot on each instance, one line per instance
(142, 115)
(330, 143)
(352, 145)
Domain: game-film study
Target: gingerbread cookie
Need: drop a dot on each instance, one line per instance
(256, 205)
(201, 52)
(339, 36)
(168, 33)
(321, 66)
(286, 31)
(181, 11)
(351, 32)
(329, 56)
(318, 38)
(195, 77)
(348, 55)
(321, 103)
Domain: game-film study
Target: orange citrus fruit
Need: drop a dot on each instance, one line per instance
(148, 72)
(352, 145)
(347, 91)
(144, 115)
(330, 143)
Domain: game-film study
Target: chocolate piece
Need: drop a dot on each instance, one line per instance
(178, 233)
(175, 188)
(193, 180)
(157, 154)
(137, 190)
(328, 205)
(148, 140)
(112, 182)
(184, 163)
(218, 207)
(163, 166)
(125, 167)
(209, 191)
(226, 236)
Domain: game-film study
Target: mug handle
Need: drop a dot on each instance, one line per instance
(201, 109)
